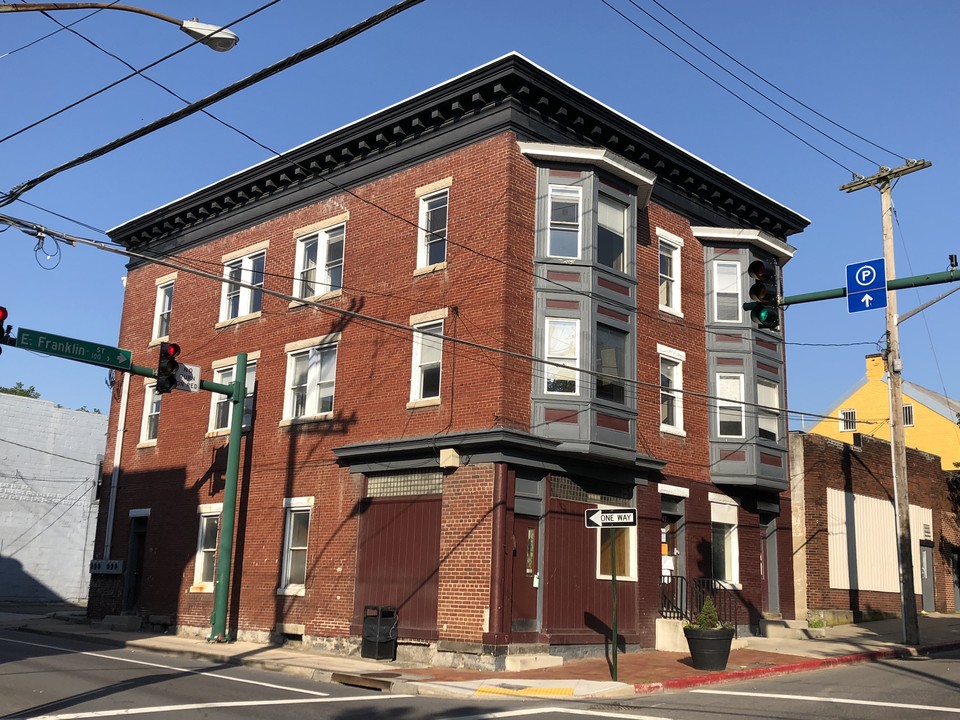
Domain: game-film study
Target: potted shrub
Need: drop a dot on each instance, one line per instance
(708, 640)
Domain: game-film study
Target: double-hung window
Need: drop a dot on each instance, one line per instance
(670, 275)
(768, 410)
(671, 389)
(427, 356)
(319, 264)
(725, 555)
(432, 245)
(163, 308)
(151, 414)
(206, 557)
(295, 540)
(730, 411)
(222, 406)
(726, 291)
(562, 352)
(611, 233)
(611, 364)
(564, 234)
(243, 286)
(311, 381)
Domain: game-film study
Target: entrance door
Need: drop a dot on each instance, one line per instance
(769, 570)
(526, 573)
(135, 554)
(926, 577)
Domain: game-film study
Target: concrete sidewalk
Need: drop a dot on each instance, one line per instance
(638, 672)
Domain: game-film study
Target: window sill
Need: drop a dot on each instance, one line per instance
(202, 588)
(292, 591)
(626, 578)
(304, 302)
(222, 432)
(156, 341)
(286, 422)
(671, 430)
(430, 269)
(671, 311)
(237, 320)
(146, 444)
(428, 402)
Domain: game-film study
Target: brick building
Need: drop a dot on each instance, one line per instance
(845, 537)
(469, 318)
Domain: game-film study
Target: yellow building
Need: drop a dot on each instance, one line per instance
(929, 418)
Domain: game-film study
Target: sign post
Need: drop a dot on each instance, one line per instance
(612, 519)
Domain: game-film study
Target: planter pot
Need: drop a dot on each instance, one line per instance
(709, 649)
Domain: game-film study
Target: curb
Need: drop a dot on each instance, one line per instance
(804, 666)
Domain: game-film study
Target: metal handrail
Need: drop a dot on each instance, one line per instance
(682, 600)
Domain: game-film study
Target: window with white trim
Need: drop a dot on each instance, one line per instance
(432, 240)
(243, 289)
(319, 264)
(670, 276)
(730, 411)
(625, 542)
(725, 544)
(562, 346)
(295, 540)
(311, 381)
(163, 308)
(564, 234)
(611, 233)
(206, 559)
(151, 414)
(221, 405)
(726, 291)
(908, 415)
(848, 420)
(427, 357)
(671, 388)
(768, 410)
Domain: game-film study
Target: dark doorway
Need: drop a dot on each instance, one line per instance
(136, 551)
(526, 573)
(769, 569)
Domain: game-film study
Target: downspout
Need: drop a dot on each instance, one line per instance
(115, 473)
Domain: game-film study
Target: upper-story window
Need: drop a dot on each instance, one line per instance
(311, 380)
(564, 235)
(730, 411)
(221, 405)
(768, 417)
(562, 340)
(427, 358)
(671, 389)
(726, 291)
(848, 421)
(611, 233)
(432, 245)
(908, 415)
(319, 265)
(151, 414)
(670, 275)
(243, 289)
(163, 308)
(611, 349)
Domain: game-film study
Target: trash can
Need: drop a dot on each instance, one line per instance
(378, 638)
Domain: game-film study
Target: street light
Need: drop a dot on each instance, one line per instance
(210, 35)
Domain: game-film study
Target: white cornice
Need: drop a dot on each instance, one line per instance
(756, 238)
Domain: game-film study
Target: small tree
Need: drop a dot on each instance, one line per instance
(707, 618)
(19, 389)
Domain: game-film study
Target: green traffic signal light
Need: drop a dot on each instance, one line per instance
(764, 293)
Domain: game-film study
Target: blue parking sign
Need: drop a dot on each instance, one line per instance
(866, 285)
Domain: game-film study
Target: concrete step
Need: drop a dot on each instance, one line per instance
(530, 661)
(123, 623)
(791, 629)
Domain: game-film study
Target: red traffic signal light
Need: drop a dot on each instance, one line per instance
(167, 367)
(3, 317)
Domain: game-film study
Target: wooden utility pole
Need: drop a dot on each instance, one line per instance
(894, 367)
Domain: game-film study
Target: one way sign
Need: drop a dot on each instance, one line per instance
(600, 518)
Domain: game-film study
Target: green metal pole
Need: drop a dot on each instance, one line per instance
(221, 588)
(613, 577)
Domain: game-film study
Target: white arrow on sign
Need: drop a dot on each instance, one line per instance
(867, 299)
(601, 518)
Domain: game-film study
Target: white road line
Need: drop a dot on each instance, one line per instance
(546, 710)
(170, 667)
(838, 701)
(206, 706)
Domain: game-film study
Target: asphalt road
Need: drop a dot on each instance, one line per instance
(56, 679)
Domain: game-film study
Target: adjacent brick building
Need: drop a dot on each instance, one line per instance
(469, 318)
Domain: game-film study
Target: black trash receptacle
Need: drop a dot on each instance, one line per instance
(378, 639)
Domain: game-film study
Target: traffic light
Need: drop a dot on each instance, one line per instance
(763, 292)
(167, 367)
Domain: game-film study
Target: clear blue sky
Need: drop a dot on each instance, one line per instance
(885, 69)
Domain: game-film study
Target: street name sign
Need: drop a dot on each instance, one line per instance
(866, 285)
(188, 377)
(600, 518)
(72, 349)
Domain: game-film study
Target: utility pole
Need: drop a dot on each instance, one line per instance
(894, 367)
